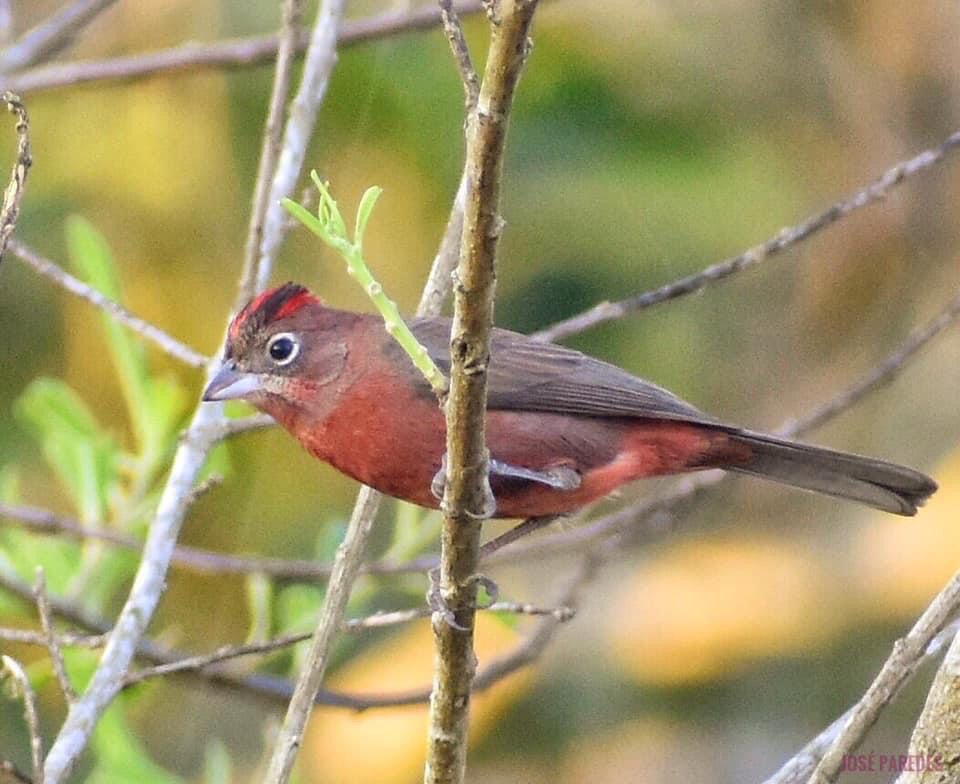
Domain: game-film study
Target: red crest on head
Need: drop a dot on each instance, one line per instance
(271, 305)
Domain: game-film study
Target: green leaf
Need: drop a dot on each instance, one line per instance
(259, 603)
(121, 756)
(367, 202)
(83, 457)
(90, 257)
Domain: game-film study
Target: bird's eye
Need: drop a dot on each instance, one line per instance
(283, 348)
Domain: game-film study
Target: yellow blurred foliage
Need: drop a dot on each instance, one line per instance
(640, 752)
(900, 563)
(388, 745)
(703, 608)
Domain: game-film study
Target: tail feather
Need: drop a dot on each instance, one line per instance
(876, 483)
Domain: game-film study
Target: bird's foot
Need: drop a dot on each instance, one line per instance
(438, 604)
(439, 483)
(559, 477)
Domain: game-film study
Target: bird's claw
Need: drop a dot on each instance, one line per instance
(439, 606)
(439, 483)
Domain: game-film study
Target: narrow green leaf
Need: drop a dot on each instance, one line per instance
(367, 202)
(83, 457)
(90, 257)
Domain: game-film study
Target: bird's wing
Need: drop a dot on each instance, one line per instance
(526, 375)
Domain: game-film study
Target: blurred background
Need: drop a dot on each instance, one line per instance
(649, 140)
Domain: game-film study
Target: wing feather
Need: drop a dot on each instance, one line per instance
(526, 375)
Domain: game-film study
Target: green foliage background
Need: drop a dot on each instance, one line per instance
(649, 140)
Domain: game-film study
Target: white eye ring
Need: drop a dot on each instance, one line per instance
(283, 348)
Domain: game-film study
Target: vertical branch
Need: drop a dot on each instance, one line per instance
(21, 685)
(270, 151)
(321, 57)
(13, 194)
(467, 496)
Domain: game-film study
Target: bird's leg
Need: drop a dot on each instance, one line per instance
(560, 477)
(519, 531)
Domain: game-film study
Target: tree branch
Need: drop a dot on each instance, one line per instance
(21, 686)
(785, 238)
(235, 53)
(467, 497)
(51, 36)
(903, 661)
(798, 768)
(270, 149)
(13, 194)
(320, 59)
(145, 329)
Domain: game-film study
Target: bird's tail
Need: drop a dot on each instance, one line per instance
(886, 486)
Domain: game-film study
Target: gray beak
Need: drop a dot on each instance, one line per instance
(230, 384)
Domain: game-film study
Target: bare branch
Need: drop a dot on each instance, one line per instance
(21, 687)
(903, 661)
(798, 768)
(461, 53)
(69, 639)
(935, 744)
(345, 568)
(270, 149)
(883, 373)
(52, 35)
(145, 329)
(785, 238)
(138, 609)
(50, 636)
(13, 194)
(467, 497)
(320, 59)
(240, 52)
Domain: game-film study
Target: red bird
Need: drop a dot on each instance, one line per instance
(563, 429)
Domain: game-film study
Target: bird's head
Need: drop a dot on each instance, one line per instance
(276, 349)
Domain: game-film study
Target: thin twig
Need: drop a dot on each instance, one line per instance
(13, 194)
(52, 35)
(467, 497)
(145, 329)
(345, 568)
(785, 238)
(798, 768)
(903, 661)
(68, 639)
(50, 636)
(139, 607)
(461, 54)
(270, 149)
(317, 67)
(21, 687)
(240, 52)
(884, 372)
(249, 424)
